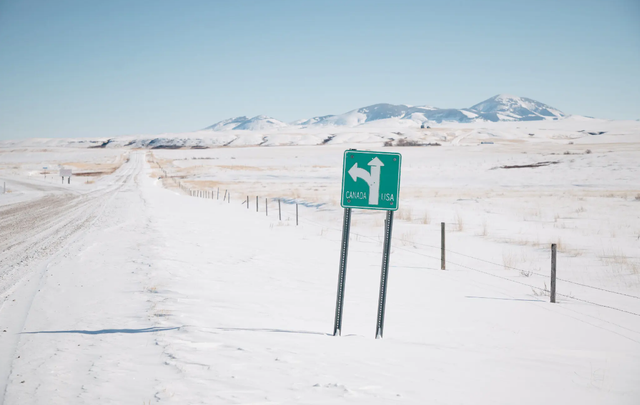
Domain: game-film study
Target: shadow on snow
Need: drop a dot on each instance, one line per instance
(103, 331)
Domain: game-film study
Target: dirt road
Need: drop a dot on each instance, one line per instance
(33, 233)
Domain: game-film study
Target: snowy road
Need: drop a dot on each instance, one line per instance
(132, 293)
(38, 233)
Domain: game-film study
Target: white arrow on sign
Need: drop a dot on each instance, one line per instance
(372, 179)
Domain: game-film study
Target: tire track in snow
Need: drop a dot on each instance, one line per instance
(457, 140)
(34, 235)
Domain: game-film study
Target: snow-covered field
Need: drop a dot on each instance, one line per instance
(122, 288)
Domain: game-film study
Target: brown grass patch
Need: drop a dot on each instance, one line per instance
(404, 214)
(82, 169)
(245, 168)
(203, 184)
(93, 174)
(620, 263)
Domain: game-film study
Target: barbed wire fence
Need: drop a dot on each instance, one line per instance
(246, 199)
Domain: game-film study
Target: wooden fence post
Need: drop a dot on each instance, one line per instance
(442, 249)
(553, 273)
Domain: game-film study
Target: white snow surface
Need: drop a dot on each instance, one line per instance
(373, 132)
(123, 288)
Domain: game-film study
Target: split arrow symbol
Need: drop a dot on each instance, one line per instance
(372, 179)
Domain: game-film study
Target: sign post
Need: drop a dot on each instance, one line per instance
(67, 173)
(346, 227)
(370, 180)
(386, 252)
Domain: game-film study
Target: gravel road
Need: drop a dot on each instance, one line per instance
(33, 232)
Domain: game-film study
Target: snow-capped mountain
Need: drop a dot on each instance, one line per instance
(497, 108)
(419, 115)
(228, 124)
(499, 118)
(370, 113)
(257, 123)
(504, 107)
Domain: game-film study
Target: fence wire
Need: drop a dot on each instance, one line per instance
(534, 288)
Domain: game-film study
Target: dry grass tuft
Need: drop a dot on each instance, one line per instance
(484, 231)
(541, 292)
(459, 222)
(426, 218)
(205, 185)
(408, 238)
(246, 168)
(509, 260)
(404, 214)
(620, 263)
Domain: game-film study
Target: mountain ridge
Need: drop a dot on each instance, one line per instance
(501, 107)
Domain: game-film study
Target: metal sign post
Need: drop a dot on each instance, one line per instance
(377, 188)
(346, 227)
(386, 252)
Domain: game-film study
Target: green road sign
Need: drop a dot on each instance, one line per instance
(371, 180)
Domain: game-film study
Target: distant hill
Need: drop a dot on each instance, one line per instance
(379, 126)
(258, 123)
(501, 107)
(504, 107)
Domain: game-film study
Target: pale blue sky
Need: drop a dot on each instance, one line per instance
(108, 68)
